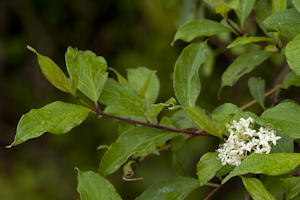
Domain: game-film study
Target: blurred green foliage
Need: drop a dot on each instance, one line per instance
(128, 34)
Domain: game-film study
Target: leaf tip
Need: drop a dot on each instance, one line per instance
(31, 49)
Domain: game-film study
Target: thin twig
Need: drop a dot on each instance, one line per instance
(213, 192)
(251, 103)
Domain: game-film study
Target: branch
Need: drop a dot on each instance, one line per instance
(213, 192)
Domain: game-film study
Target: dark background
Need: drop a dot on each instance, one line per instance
(128, 34)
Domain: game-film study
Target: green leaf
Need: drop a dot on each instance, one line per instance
(284, 145)
(121, 79)
(203, 121)
(155, 109)
(285, 118)
(257, 90)
(92, 186)
(290, 79)
(286, 22)
(176, 188)
(92, 74)
(244, 10)
(57, 118)
(145, 83)
(71, 58)
(121, 96)
(180, 119)
(242, 65)
(208, 66)
(150, 149)
(291, 186)
(208, 166)
(178, 142)
(278, 5)
(52, 72)
(245, 40)
(179, 167)
(268, 164)
(187, 11)
(225, 23)
(273, 185)
(225, 170)
(263, 9)
(296, 4)
(202, 27)
(130, 142)
(292, 54)
(186, 82)
(127, 169)
(124, 126)
(256, 189)
(214, 3)
(225, 7)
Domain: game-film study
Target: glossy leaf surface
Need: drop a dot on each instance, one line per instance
(246, 40)
(257, 89)
(52, 72)
(291, 186)
(186, 82)
(176, 188)
(268, 164)
(57, 118)
(285, 118)
(92, 74)
(130, 142)
(296, 4)
(244, 10)
(92, 186)
(208, 166)
(286, 22)
(203, 121)
(202, 27)
(256, 189)
(243, 65)
(71, 58)
(291, 79)
(292, 54)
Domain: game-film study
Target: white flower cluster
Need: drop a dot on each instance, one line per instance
(244, 140)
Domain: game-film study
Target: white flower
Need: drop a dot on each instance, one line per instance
(243, 140)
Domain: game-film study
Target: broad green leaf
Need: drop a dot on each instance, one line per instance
(268, 164)
(242, 65)
(284, 145)
(291, 186)
(256, 189)
(214, 3)
(145, 83)
(122, 112)
(257, 89)
(150, 149)
(52, 72)
(178, 142)
(290, 79)
(286, 22)
(203, 121)
(130, 142)
(71, 58)
(176, 188)
(225, 170)
(208, 166)
(92, 74)
(263, 9)
(208, 66)
(180, 119)
(245, 40)
(278, 5)
(187, 11)
(285, 118)
(292, 53)
(273, 185)
(244, 10)
(186, 81)
(155, 109)
(124, 126)
(127, 167)
(122, 96)
(121, 79)
(296, 4)
(92, 186)
(179, 167)
(225, 7)
(57, 118)
(202, 27)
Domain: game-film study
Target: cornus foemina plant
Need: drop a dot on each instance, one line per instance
(243, 140)
(260, 152)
